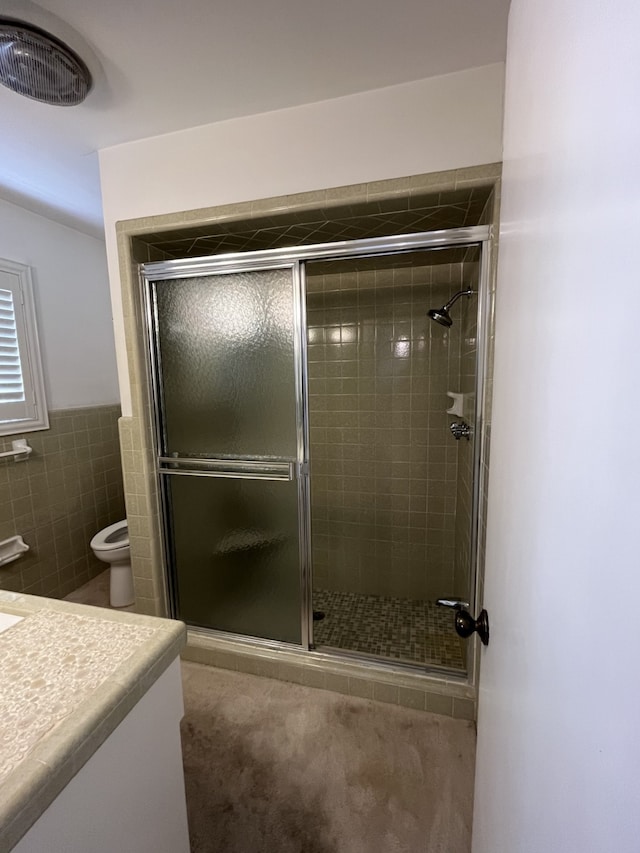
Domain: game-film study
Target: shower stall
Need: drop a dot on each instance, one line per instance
(319, 442)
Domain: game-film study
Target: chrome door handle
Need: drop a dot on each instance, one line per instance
(235, 469)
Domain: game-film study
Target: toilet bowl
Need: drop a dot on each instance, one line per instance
(111, 545)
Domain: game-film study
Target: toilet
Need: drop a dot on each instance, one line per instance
(111, 545)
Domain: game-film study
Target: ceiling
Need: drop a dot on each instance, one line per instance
(161, 66)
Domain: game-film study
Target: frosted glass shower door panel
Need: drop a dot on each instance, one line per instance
(236, 555)
(225, 346)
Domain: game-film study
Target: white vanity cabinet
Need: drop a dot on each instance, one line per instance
(94, 763)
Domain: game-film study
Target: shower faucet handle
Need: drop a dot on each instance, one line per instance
(460, 429)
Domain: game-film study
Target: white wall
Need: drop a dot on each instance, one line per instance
(429, 125)
(558, 747)
(72, 304)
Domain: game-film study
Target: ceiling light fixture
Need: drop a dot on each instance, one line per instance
(40, 66)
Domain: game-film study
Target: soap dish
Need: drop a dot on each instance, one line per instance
(11, 549)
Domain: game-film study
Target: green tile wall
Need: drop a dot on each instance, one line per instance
(384, 467)
(69, 488)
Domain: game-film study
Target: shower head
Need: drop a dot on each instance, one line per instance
(441, 315)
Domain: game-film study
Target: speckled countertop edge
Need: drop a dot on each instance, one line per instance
(60, 754)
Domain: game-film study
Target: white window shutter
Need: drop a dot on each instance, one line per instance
(22, 402)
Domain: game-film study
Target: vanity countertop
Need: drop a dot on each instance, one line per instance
(69, 674)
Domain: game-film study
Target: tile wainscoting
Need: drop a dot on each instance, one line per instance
(69, 488)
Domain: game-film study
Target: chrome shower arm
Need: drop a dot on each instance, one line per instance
(457, 296)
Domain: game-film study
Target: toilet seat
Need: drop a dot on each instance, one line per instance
(112, 537)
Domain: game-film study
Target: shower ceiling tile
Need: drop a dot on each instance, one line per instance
(376, 218)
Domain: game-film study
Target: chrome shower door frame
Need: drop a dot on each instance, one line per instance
(167, 466)
(294, 258)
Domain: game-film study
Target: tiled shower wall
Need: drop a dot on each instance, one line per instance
(69, 488)
(384, 464)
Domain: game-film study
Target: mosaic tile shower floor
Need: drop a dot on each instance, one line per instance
(402, 629)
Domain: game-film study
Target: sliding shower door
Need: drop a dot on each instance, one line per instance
(225, 350)
(268, 364)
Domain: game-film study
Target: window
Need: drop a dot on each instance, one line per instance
(22, 402)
